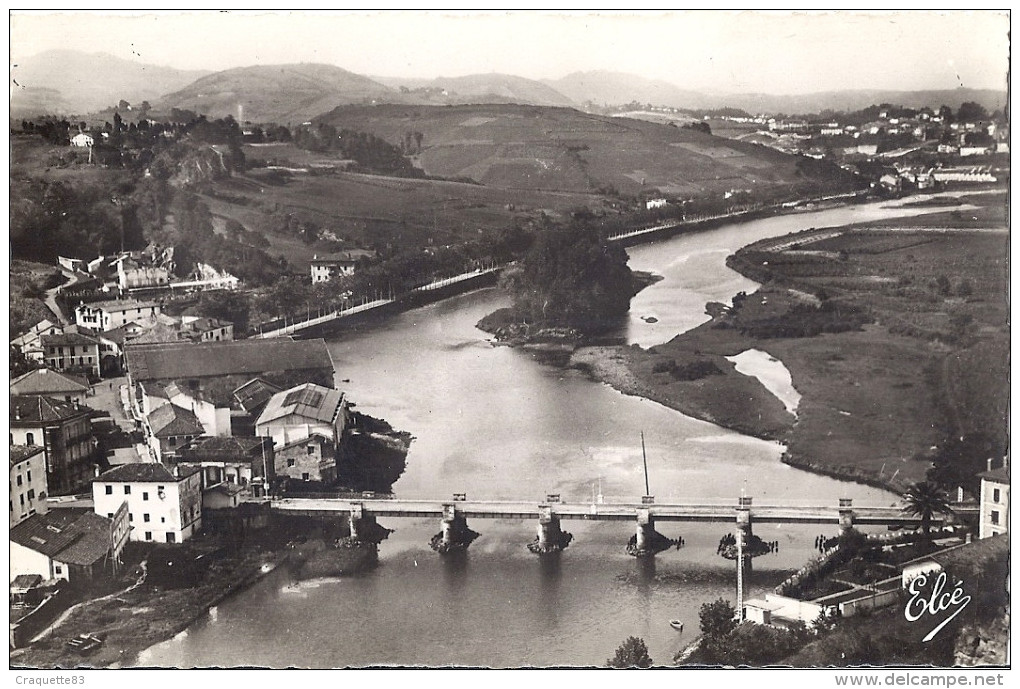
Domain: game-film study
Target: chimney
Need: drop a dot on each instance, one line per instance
(96, 470)
(989, 462)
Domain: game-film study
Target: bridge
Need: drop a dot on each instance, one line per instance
(453, 515)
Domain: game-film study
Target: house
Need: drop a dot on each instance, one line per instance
(71, 351)
(244, 461)
(302, 411)
(328, 267)
(655, 203)
(308, 459)
(994, 501)
(253, 396)
(111, 347)
(169, 427)
(82, 140)
(70, 544)
(107, 315)
(132, 274)
(223, 496)
(163, 505)
(29, 343)
(63, 430)
(201, 329)
(49, 383)
(28, 482)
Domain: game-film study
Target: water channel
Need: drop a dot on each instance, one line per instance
(494, 423)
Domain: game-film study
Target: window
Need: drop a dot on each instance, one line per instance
(995, 516)
(304, 476)
(109, 515)
(311, 449)
(31, 494)
(145, 517)
(162, 520)
(290, 462)
(171, 537)
(109, 490)
(995, 495)
(145, 495)
(172, 441)
(131, 516)
(22, 499)
(19, 480)
(28, 474)
(30, 438)
(58, 569)
(148, 535)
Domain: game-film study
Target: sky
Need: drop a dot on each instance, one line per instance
(720, 51)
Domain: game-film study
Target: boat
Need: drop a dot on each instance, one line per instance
(85, 643)
(677, 625)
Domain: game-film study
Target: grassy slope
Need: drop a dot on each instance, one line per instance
(367, 208)
(559, 148)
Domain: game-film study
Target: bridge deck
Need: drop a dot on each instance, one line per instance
(476, 509)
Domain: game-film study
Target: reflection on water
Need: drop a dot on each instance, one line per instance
(494, 423)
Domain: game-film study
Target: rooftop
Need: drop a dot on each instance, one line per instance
(344, 256)
(310, 401)
(148, 472)
(19, 453)
(35, 409)
(248, 357)
(253, 395)
(74, 536)
(119, 305)
(43, 381)
(1000, 475)
(68, 339)
(218, 447)
(171, 420)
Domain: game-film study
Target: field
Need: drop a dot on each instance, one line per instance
(528, 147)
(371, 210)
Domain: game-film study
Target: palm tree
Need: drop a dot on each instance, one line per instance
(925, 500)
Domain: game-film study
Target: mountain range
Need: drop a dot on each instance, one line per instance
(68, 82)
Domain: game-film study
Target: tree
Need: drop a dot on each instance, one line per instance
(926, 499)
(718, 618)
(632, 653)
(571, 277)
(971, 112)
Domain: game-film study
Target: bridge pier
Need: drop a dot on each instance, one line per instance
(363, 528)
(646, 540)
(455, 534)
(846, 514)
(745, 533)
(551, 538)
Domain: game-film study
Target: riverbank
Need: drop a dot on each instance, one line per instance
(149, 614)
(891, 357)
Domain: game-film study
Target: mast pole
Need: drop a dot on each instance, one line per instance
(644, 459)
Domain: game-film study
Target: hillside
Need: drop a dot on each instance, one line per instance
(276, 93)
(614, 88)
(476, 88)
(70, 82)
(527, 147)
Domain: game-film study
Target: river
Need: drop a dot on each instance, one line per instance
(494, 423)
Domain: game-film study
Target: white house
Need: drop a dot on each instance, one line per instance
(82, 140)
(994, 501)
(28, 482)
(107, 315)
(302, 411)
(29, 343)
(328, 267)
(50, 383)
(163, 506)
